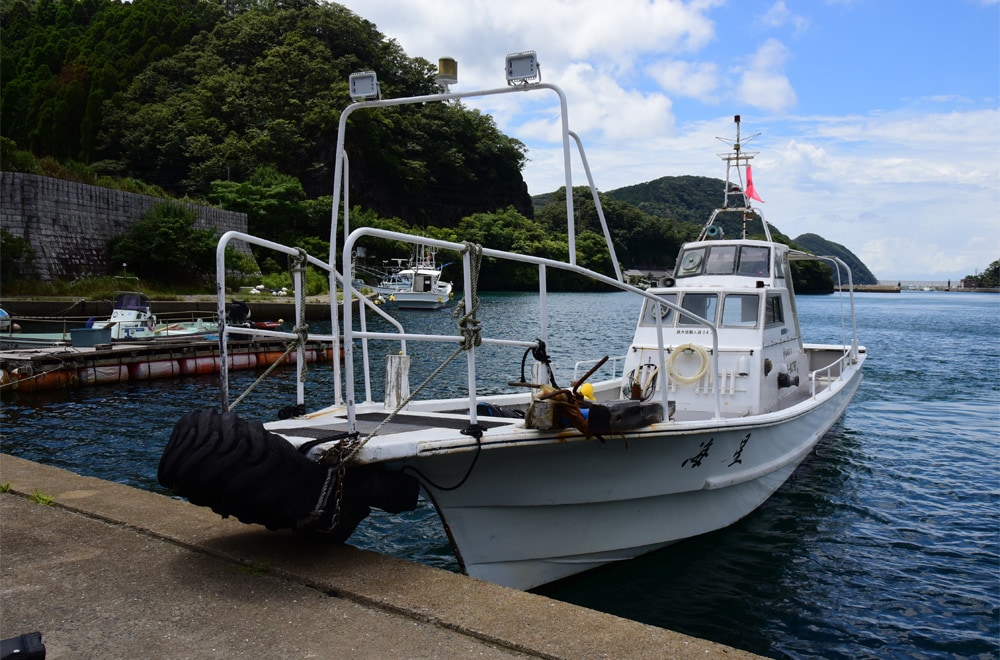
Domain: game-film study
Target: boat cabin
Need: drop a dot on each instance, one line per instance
(743, 287)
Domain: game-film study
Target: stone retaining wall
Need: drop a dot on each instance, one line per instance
(69, 224)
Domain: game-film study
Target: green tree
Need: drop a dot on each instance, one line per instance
(510, 231)
(164, 246)
(641, 240)
(274, 203)
(989, 278)
(60, 62)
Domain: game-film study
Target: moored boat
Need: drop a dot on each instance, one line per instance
(419, 284)
(132, 320)
(714, 405)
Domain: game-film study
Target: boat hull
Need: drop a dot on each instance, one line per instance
(540, 512)
(420, 299)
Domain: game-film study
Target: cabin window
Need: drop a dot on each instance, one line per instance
(721, 260)
(774, 313)
(651, 309)
(748, 260)
(754, 261)
(702, 304)
(740, 310)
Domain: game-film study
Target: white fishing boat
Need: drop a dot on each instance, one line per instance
(716, 402)
(419, 284)
(132, 320)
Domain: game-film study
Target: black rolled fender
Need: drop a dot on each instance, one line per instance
(238, 468)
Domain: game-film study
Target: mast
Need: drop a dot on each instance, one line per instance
(737, 161)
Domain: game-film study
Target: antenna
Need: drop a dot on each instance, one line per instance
(737, 159)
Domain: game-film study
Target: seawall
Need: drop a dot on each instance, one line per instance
(69, 224)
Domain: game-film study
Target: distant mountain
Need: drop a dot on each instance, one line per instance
(693, 198)
(819, 245)
(681, 198)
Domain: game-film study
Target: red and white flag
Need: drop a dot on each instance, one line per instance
(751, 193)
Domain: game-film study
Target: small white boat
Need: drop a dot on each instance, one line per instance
(711, 409)
(132, 320)
(7, 324)
(419, 285)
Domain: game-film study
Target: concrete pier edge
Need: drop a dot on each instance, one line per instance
(507, 620)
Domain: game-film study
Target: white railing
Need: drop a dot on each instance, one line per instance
(299, 332)
(543, 264)
(341, 204)
(827, 372)
(614, 367)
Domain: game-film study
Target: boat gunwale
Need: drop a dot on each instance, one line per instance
(512, 432)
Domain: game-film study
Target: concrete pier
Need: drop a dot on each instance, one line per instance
(103, 570)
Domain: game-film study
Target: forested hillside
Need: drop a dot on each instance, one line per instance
(819, 245)
(691, 199)
(182, 93)
(684, 198)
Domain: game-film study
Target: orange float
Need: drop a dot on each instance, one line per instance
(100, 375)
(199, 366)
(153, 369)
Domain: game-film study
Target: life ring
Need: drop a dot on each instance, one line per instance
(702, 369)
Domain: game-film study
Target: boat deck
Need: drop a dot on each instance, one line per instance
(402, 423)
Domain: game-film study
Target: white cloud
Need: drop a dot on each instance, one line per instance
(778, 15)
(699, 80)
(608, 35)
(913, 188)
(763, 83)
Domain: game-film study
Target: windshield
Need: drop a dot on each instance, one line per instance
(748, 260)
(133, 301)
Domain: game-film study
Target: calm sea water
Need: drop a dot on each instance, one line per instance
(884, 544)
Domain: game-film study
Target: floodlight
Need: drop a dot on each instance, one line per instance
(522, 68)
(364, 86)
(447, 72)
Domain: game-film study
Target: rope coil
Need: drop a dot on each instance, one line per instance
(702, 367)
(469, 326)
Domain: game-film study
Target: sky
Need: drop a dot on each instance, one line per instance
(878, 120)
